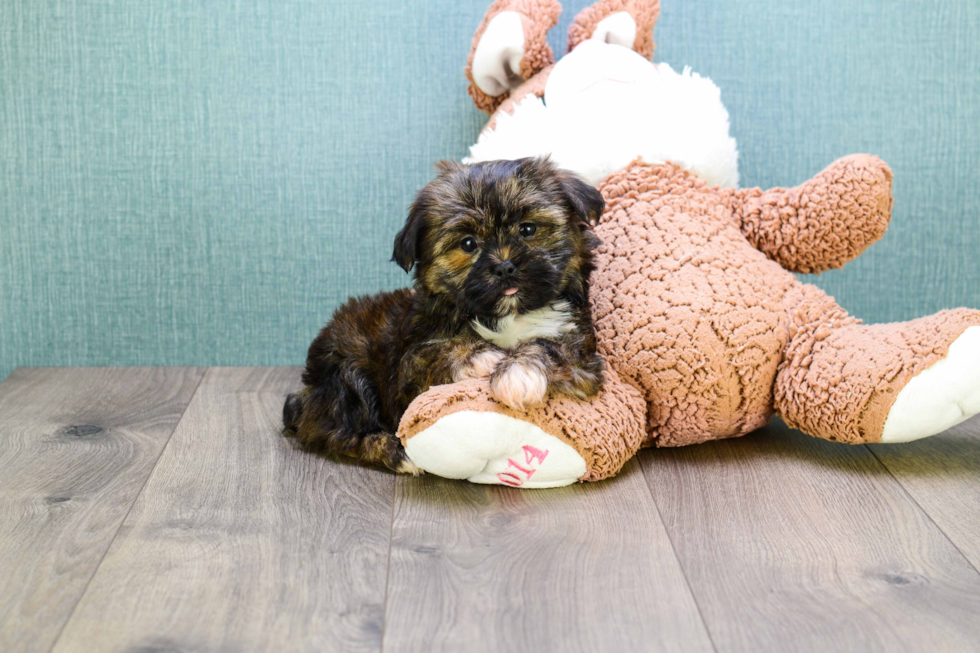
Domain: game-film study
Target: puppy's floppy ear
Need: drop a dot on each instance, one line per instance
(408, 242)
(583, 198)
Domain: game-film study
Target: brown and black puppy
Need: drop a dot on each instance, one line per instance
(502, 253)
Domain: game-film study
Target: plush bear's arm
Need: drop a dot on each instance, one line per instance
(823, 223)
(509, 47)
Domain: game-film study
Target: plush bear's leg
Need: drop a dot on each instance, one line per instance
(510, 46)
(850, 382)
(460, 431)
(940, 397)
(623, 22)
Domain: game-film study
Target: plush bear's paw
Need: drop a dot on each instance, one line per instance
(520, 384)
(940, 397)
(491, 448)
(480, 365)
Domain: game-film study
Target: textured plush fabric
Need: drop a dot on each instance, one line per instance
(796, 230)
(685, 309)
(840, 378)
(537, 17)
(701, 322)
(606, 432)
(204, 183)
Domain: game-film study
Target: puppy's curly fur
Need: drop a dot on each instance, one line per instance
(502, 253)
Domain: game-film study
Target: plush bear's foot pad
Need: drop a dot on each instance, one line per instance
(491, 448)
(940, 397)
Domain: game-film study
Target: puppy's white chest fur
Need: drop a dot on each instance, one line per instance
(548, 322)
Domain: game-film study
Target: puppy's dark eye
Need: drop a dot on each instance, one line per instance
(468, 244)
(527, 229)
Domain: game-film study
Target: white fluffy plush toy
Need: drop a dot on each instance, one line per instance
(619, 107)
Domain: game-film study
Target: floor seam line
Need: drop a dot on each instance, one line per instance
(391, 534)
(673, 549)
(924, 511)
(156, 462)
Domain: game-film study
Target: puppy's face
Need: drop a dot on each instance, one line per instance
(501, 237)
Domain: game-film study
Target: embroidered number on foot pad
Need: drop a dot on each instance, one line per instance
(521, 475)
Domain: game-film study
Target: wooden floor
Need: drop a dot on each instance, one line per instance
(157, 509)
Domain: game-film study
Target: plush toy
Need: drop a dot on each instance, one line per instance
(706, 331)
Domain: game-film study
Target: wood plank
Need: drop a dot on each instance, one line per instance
(796, 544)
(76, 446)
(239, 542)
(583, 568)
(942, 474)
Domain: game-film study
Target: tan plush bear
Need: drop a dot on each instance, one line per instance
(706, 332)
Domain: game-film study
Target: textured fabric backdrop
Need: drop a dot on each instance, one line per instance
(204, 182)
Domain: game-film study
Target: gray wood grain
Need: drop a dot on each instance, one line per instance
(942, 474)
(235, 541)
(583, 568)
(238, 542)
(76, 446)
(796, 544)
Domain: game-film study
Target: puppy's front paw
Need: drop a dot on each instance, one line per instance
(480, 365)
(520, 384)
(408, 467)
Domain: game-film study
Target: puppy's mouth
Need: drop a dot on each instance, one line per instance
(510, 301)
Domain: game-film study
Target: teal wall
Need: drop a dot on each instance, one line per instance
(203, 182)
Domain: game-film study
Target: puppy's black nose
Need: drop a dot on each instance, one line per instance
(504, 270)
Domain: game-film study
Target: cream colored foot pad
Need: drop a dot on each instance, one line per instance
(491, 448)
(940, 397)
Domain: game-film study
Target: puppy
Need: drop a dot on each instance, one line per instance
(502, 253)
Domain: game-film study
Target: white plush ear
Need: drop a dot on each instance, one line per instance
(497, 60)
(618, 29)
